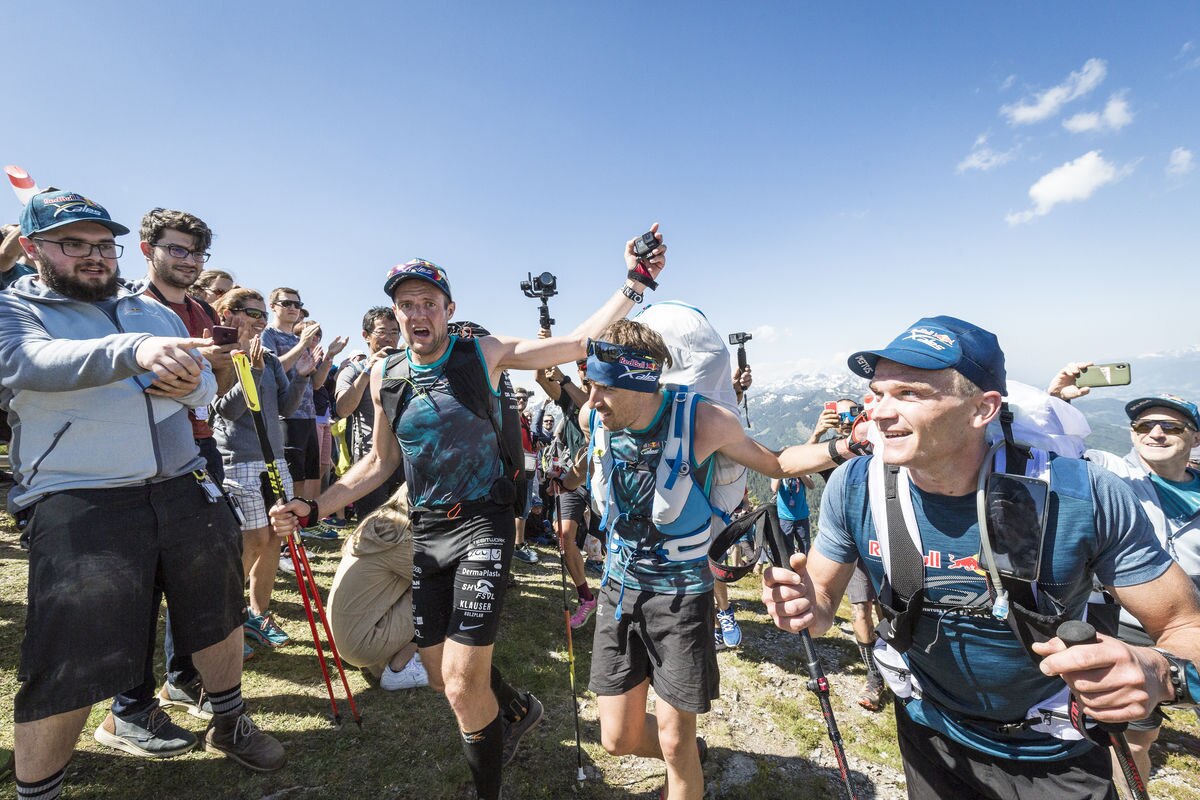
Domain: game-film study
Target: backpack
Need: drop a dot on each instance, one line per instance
(700, 364)
(467, 374)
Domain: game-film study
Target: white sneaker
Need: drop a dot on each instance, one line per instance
(412, 676)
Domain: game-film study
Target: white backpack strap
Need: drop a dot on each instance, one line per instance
(673, 479)
(600, 464)
(877, 494)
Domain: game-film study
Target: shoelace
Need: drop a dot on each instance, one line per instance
(244, 729)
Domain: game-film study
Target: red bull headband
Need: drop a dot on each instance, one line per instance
(622, 367)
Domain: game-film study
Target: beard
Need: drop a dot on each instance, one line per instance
(74, 288)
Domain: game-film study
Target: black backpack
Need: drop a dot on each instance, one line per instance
(470, 386)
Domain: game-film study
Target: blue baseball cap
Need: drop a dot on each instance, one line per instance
(941, 343)
(420, 269)
(1188, 409)
(49, 210)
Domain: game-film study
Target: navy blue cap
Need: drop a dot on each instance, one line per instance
(1135, 407)
(941, 343)
(49, 210)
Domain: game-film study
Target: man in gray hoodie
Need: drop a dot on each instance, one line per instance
(98, 381)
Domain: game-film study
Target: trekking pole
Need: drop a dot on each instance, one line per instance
(562, 568)
(818, 684)
(1076, 631)
(305, 581)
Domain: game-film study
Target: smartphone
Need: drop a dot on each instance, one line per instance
(831, 405)
(1116, 374)
(223, 335)
(1016, 517)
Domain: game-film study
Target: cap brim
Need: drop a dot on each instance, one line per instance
(864, 363)
(117, 228)
(389, 288)
(1135, 407)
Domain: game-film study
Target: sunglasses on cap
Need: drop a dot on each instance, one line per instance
(611, 353)
(1169, 427)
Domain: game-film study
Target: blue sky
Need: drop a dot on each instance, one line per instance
(824, 174)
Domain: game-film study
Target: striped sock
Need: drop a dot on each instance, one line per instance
(228, 702)
(868, 656)
(45, 789)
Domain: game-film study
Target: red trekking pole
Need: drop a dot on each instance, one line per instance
(306, 582)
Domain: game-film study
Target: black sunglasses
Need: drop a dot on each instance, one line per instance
(252, 313)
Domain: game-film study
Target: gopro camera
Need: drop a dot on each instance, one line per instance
(541, 286)
(645, 244)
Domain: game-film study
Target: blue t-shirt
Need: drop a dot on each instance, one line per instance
(792, 499)
(1179, 501)
(974, 666)
(280, 342)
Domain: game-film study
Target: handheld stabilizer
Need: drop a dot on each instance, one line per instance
(739, 339)
(541, 287)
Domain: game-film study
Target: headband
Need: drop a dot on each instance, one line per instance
(622, 367)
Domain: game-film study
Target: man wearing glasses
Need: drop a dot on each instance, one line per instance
(461, 492)
(175, 245)
(1164, 429)
(99, 379)
(978, 680)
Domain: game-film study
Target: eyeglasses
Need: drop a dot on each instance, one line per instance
(216, 292)
(182, 252)
(252, 313)
(77, 249)
(290, 304)
(1145, 426)
(385, 332)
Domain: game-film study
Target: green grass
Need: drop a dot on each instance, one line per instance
(766, 733)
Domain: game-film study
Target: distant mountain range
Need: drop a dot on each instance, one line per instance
(783, 412)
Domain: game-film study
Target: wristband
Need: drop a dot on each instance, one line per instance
(313, 515)
(631, 293)
(834, 455)
(642, 275)
(1177, 670)
(567, 378)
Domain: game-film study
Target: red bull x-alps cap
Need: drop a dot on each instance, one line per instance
(49, 210)
(938, 343)
(1188, 409)
(422, 270)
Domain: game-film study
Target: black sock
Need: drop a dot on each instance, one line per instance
(868, 656)
(510, 702)
(485, 755)
(45, 789)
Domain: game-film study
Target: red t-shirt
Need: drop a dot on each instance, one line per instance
(195, 318)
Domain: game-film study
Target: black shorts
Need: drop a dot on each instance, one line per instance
(572, 504)
(302, 449)
(667, 638)
(460, 572)
(937, 767)
(860, 589)
(95, 559)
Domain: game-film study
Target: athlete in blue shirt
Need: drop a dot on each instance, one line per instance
(969, 681)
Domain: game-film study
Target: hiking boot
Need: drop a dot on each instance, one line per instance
(731, 632)
(524, 553)
(149, 735)
(513, 731)
(240, 739)
(265, 630)
(871, 696)
(583, 613)
(193, 698)
(411, 676)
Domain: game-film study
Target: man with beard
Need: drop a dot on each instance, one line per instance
(98, 380)
(175, 244)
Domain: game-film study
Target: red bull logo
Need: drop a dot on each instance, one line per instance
(970, 563)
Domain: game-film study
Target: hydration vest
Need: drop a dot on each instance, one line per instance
(468, 378)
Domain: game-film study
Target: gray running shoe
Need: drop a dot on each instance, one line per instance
(524, 553)
(240, 739)
(513, 731)
(193, 698)
(149, 735)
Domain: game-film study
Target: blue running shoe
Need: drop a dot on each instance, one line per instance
(265, 630)
(731, 632)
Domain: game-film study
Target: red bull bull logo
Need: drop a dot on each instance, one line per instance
(970, 563)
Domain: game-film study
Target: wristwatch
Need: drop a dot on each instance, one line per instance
(1184, 678)
(631, 293)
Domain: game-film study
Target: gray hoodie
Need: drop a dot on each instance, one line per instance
(76, 395)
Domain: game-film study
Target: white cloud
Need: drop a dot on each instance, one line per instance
(768, 333)
(1180, 162)
(984, 158)
(1187, 57)
(1073, 181)
(1048, 103)
(1008, 83)
(1116, 115)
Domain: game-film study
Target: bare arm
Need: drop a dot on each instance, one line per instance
(1119, 682)
(806, 596)
(717, 430)
(366, 475)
